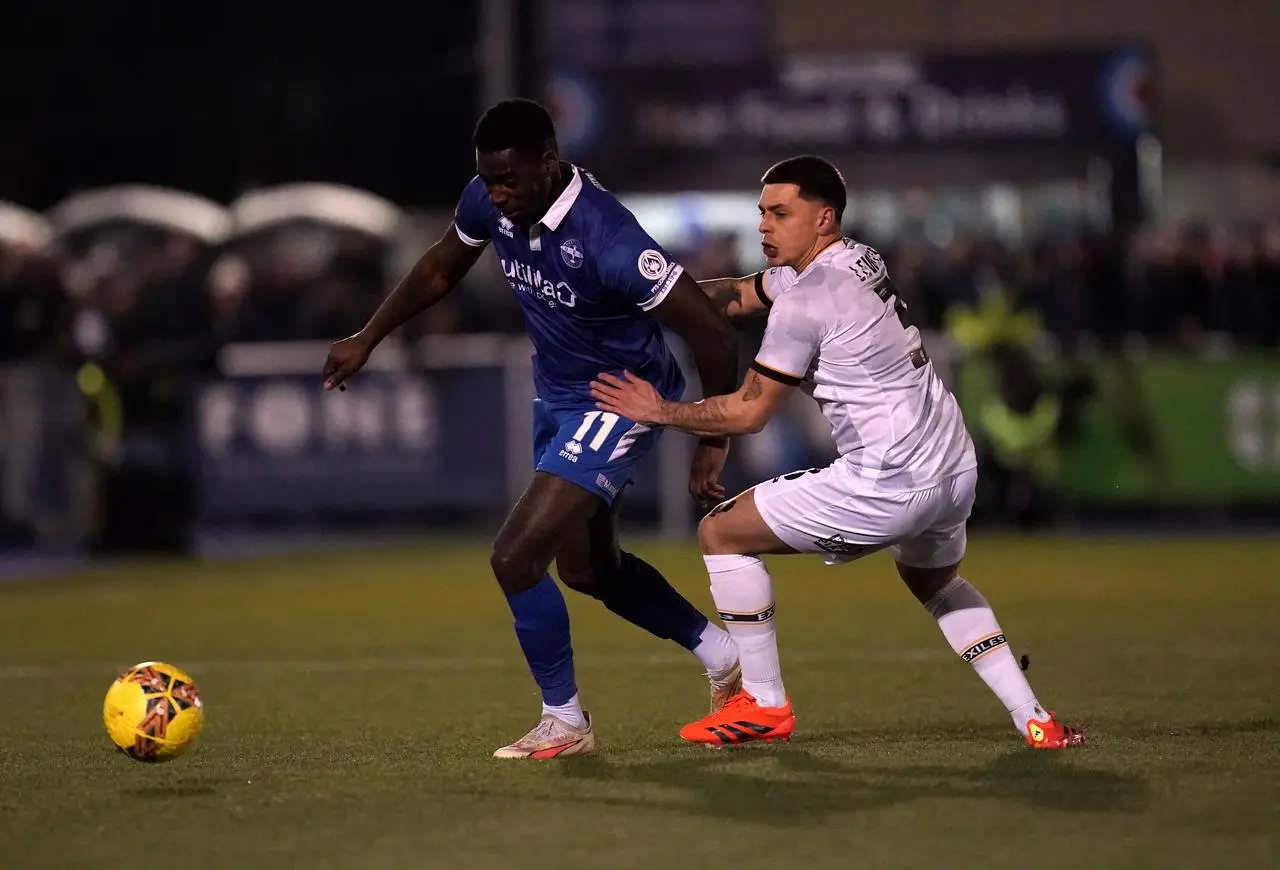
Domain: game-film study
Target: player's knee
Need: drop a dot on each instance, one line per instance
(925, 583)
(583, 580)
(516, 571)
(713, 537)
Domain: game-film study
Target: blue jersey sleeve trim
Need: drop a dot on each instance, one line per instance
(661, 290)
(471, 218)
(468, 240)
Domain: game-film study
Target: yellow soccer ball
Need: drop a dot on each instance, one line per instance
(153, 712)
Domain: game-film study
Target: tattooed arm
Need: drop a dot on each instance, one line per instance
(791, 341)
(740, 413)
(739, 298)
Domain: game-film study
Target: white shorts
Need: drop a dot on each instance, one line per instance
(827, 510)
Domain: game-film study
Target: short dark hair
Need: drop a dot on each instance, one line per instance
(816, 177)
(519, 124)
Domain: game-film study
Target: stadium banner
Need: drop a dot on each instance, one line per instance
(603, 35)
(453, 434)
(719, 120)
(445, 427)
(276, 444)
(1178, 430)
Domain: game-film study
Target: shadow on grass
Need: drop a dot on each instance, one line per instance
(800, 785)
(1215, 729)
(201, 786)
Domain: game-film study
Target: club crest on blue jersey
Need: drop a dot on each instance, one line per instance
(571, 253)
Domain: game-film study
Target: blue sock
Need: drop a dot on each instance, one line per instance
(642, 596)
(542, 625)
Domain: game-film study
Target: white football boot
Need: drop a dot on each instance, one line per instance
(552, 738)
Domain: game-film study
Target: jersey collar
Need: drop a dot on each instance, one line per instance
(560, 208)
(842, 243)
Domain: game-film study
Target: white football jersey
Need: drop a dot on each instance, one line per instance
(839, 331)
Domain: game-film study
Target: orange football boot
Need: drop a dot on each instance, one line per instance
(1052, 734)
(742, 720)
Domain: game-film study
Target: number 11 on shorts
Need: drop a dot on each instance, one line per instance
(607, 422)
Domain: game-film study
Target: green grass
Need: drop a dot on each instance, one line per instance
(353, 701)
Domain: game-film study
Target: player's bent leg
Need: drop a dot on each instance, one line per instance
(521, 555)
(733, 536)
(929, 565)
(736, 526)
(589, 560)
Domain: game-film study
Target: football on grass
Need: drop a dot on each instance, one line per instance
(153, 712)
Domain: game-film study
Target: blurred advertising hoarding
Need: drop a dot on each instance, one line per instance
(649, 107)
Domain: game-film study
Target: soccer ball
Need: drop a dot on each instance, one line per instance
(153, 712)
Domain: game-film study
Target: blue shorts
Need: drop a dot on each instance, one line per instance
(593, 449)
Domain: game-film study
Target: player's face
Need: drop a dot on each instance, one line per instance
(790, 225)
(519, 184)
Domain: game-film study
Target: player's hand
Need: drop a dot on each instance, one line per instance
(346, 357)
(632, 397)
(704, 476)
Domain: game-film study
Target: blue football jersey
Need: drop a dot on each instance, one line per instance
(586, 275)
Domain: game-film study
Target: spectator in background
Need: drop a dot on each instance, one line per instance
(151, 308)
(1251, 277)
(33, 312)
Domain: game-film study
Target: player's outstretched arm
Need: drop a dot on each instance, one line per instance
(689, 313)
(740, 413)
(739, 298)
(436, 273)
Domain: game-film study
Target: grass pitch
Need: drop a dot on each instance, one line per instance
(353, 701)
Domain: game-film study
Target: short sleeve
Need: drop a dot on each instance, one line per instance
(633, 264)
(471, 217)
(774, 282)
(791, 340)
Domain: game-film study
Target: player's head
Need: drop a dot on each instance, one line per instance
(516, 158)
(801, 208)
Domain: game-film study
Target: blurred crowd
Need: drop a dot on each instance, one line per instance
(133, 312)
(1172, 287)
(144, 299)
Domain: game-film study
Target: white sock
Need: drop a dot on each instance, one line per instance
(970, 626)
(743, 592)
(716, 651)
(570, 713)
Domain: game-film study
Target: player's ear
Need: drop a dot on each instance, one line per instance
(827, 223)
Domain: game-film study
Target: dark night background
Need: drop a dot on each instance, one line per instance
(377, 95)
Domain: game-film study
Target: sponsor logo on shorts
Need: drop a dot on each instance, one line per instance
(723, 507)
(606, 484)
(982, 647)
(796, 474)
(837, 544)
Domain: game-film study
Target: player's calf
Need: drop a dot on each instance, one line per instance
(731, 536)
(970, 627)
(640, 594)
(521, 556)
(589, 561)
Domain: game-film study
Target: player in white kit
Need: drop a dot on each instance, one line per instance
(906, 473)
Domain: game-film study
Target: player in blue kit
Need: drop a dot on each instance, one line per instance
(595, 291)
